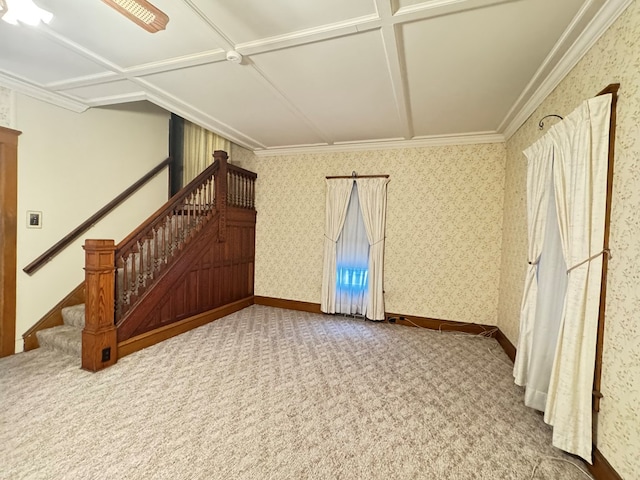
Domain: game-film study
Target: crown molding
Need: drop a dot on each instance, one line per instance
(608, 14)
(26, 88)
(418, 142)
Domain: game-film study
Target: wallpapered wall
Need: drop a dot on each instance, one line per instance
(615, 58)
(444, 226)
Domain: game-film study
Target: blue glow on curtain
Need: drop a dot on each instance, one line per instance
(352, 279)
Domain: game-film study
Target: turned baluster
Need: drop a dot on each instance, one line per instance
(156, 249)
(150, 255)
(253, 194)
(238, 199)
(163, 241)
(245, 192)
(141, 267)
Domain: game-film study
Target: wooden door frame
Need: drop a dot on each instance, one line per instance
(8, 238)
(597, 374)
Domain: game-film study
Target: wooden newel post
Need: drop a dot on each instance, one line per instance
(99, 337)
(221, 192)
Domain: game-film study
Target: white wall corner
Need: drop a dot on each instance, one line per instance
(7, 108)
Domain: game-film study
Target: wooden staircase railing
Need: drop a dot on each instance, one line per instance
(149, 249)
(122, 275)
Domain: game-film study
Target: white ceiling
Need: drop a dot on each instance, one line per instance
(316, 74)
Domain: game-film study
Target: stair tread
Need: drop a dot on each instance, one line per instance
(64, 338)
(74, 315)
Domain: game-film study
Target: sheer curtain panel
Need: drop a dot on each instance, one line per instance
(338, 193)
(372, 193)
(199, 145)
(539, 168)
(352, 262)
(552, 289)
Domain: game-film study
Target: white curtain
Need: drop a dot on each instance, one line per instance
(352, 262)
(552, 288)
(539, 168)
(199, 145)
(581, 146)
(338, 193)
(372, 193)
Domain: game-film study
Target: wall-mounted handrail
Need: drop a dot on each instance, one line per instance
(91, 221)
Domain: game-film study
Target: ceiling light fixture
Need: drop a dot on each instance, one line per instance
(141, 12)
(23, 11)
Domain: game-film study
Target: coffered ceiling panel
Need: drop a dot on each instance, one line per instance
(107, 33)
(356, 87)
(27, 53)
(464, 71)
(235, 95)
(251, 20)
(330, 74)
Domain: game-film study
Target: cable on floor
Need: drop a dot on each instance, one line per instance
(493, 354)
(558, 459)
(486, 334)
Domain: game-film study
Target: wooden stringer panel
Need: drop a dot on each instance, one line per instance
(207, 275)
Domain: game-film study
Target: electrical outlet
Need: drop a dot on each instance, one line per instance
(106, 354)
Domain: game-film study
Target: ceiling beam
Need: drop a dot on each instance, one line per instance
(439, 8)
(310, 35)
(396, 67)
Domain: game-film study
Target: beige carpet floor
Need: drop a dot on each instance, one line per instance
(274, 394)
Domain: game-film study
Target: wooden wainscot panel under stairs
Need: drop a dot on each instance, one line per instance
(190, 262)
(207, 275)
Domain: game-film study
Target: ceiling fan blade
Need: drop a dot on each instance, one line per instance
(141, 12)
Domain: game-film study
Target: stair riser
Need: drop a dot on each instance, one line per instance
(64, 339)
(74, 316)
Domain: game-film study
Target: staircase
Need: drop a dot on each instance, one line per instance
(65, 338)
(188, 263)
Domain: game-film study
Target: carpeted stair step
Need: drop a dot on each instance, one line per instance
(74, 316)
(65, 338)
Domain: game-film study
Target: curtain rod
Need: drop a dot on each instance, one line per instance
(541, 123)
(355, 175)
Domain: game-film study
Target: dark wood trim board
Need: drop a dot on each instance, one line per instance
(158, 335)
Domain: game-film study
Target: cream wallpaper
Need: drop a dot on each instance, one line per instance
(5, 107)
(444, 226)
(615, 58)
